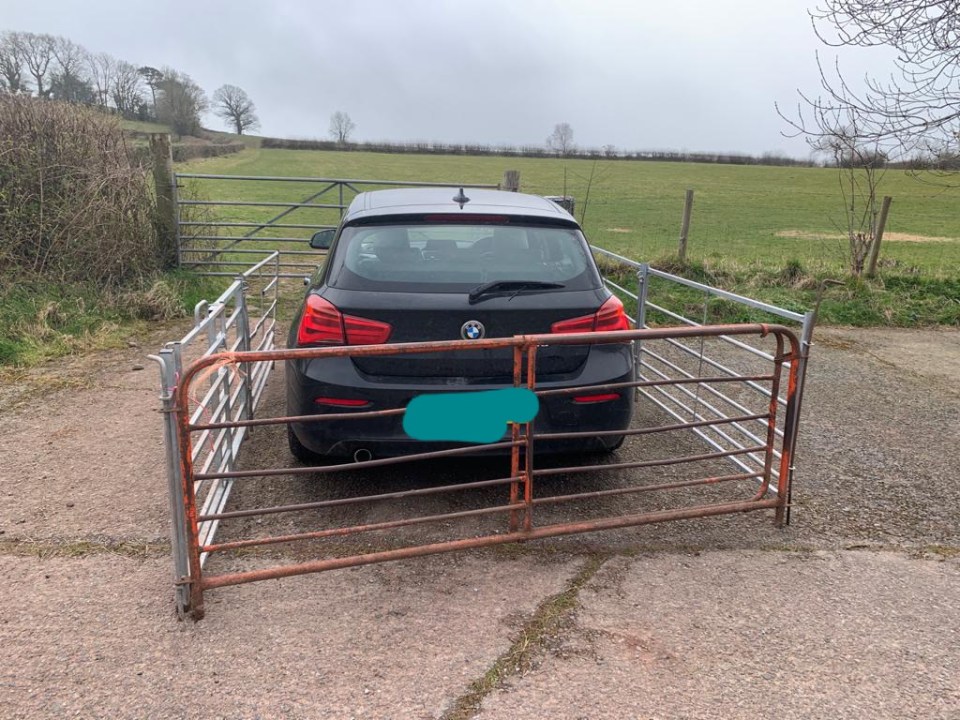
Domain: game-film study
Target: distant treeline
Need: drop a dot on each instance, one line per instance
(945, 162)
(51, 67)
(606, 153)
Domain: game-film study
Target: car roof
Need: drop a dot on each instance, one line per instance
(429, 200)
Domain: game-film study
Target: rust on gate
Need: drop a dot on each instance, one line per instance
(772, 478)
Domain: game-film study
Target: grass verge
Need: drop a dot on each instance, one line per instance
(894, 298)
(42, 320)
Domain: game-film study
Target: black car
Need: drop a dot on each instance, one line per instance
(427, 264)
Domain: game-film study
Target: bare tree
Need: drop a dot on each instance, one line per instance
(914, 109)
(236, 108)
(860, 167)
(11, 64)
(341, 127)
(561, 139)
(101, 69)
(180, 102)
(125, 88)
(37, 50)
(71, 58)
(69, 82)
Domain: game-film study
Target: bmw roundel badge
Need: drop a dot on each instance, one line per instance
(472, 330)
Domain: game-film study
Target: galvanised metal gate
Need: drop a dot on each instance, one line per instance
(218, 236)
(672, 357)
(243, 318)
(687, 483)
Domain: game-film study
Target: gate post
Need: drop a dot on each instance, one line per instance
(165, 183)
(878, 236)
(169, 361)
(643, 283)
(685, 225)
(806, 341)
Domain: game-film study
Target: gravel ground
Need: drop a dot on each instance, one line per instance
(86, 616)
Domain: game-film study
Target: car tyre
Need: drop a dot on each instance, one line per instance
(617, 444)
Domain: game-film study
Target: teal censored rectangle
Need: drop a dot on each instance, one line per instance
(476, 417)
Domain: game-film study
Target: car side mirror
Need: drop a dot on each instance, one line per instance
(322, 239)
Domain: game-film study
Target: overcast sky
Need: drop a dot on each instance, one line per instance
(699, 75)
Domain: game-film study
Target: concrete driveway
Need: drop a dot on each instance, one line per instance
(851, 612)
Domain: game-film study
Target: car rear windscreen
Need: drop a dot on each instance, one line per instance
(456, 257)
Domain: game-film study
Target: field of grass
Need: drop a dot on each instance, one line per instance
(741, 213)
(140, 126)
(769, 232)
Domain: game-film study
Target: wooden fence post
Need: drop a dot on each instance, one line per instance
(511, 180)
(878, 236)
(685, 225)
(161, 154)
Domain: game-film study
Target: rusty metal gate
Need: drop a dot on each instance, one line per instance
(725, 398)
(521, 494)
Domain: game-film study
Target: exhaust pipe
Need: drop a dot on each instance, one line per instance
(362, 455)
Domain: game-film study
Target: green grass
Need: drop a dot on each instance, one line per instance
(539, 633)
(750, 224)
(40, 321)
(890, 299)
(764, 232)
(635, 207)
(144, 127)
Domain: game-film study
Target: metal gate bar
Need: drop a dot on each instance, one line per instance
(655, 364)
(770, 485)
(204, 249)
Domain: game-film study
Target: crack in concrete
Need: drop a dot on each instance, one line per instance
(549, 620)
(554, 615)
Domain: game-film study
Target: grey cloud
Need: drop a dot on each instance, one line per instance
(696, 74)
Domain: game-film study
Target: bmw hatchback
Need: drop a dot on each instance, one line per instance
(428, 264)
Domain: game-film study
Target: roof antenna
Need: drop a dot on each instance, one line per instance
(461, 198)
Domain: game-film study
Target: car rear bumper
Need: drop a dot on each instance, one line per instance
(385, 436)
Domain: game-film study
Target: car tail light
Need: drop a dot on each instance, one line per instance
(590, 399)
(361, 331)
(610, 316)
(323, 324)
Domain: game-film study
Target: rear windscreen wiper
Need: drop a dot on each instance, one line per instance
(501, 287)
